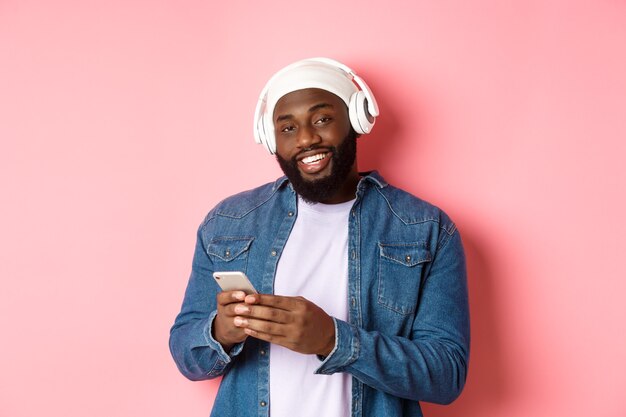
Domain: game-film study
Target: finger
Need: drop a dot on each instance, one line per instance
(232, 309)
(262, 312)
(260, 326)
(227, 297)
(272, 338)
(277, 301)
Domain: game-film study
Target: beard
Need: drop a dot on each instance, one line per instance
(323, 189)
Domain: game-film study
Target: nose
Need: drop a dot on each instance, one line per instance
(307, 137)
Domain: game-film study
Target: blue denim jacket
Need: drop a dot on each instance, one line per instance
(407, 336)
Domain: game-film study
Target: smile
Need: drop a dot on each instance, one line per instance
(316, 163)
(313, 158)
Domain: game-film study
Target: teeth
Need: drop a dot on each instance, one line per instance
(313, 158)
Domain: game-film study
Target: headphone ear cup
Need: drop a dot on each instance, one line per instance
(353, 114)
(269, 140)
(260, 131)
(362, 122)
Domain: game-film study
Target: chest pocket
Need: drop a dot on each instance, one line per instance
(229, 253)
(400, 270)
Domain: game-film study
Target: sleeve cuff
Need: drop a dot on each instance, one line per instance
(346, 351)
(223, 357)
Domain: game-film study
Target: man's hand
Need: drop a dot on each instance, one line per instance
(224, 329)
(292, 322)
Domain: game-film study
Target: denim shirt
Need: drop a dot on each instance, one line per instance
(407, 336)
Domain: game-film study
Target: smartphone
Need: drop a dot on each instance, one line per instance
(234, 280)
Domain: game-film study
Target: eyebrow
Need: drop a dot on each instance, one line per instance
(311, 110)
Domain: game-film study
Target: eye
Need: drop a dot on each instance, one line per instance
(287, 129)
(323, 120)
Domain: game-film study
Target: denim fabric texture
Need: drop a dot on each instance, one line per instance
(407, 337)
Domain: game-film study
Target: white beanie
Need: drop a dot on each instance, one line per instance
(309, 74)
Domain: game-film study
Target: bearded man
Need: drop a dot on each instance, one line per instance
(362, 306)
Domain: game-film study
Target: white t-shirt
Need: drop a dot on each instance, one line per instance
(314, 265)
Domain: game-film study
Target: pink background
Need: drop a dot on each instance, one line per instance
(123, 122)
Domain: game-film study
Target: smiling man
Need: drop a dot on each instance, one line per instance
(362, 307)
(316, 146)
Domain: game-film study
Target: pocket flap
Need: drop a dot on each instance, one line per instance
(229, 248)
(408, 254)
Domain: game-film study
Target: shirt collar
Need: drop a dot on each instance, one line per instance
(371, 176)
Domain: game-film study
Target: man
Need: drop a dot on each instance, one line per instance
(362, 306)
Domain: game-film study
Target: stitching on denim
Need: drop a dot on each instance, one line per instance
(210, 216)
(445, 239)
(431, 219)
(216, 211)
(420, 248)
(216, 369)
(231, 238)
(357, 263)
(356, 341)
(247, 212)
(397, 311)
(450, 228)
(214, 242)
(371, 176)
(381, 300)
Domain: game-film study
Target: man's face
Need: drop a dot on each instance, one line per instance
(316, 146)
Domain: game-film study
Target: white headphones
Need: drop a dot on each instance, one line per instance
(362, 106)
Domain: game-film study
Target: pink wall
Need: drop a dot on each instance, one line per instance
(123, 122)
